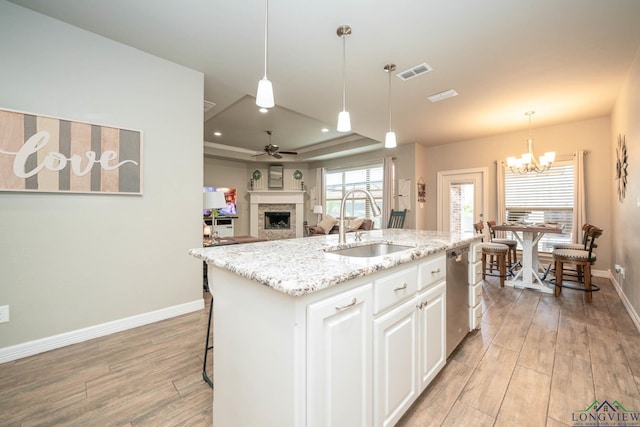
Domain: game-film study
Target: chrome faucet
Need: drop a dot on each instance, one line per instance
(374, 207)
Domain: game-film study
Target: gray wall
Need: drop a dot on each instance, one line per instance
(73, 261)
(625, 224)
(592, 135)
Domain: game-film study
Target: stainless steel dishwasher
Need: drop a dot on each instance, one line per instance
(457, 296)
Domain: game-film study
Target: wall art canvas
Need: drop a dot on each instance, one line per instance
(46, 154)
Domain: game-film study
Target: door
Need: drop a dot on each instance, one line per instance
(339, 358)
(462, 199)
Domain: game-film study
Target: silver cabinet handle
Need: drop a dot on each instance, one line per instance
(422, 305)
(404, 286)
(343, 307)
(435, 271)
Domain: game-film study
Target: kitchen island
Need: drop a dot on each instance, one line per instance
(304, 336)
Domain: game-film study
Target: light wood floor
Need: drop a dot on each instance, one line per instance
(536, 360)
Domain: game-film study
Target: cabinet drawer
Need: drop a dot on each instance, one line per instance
(475, 317)
(475, 295)
(396, 287)
(475, 273)
(432, 271)
(476, 252)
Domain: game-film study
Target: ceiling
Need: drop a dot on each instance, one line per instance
(565, 59)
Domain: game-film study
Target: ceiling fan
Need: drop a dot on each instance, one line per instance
(274, 150)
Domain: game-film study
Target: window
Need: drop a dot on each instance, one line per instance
(542, 197)
(338, 181)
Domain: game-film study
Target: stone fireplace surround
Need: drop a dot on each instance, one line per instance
(261, 201)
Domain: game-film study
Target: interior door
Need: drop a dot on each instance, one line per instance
(462, 199)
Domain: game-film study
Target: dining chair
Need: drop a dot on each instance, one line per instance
(581, 246)
(490, 252)
(396, 219)
(582, 260)
(512, 257)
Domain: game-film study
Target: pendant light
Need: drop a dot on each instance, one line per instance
(528, 162)
(264, 96)
(390, 138)
(344, 120)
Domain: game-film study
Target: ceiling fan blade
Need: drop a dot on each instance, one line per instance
(287, 152)
(260, 154)
(276, 155)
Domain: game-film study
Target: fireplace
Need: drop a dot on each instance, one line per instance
(263, 203)
(277, 220)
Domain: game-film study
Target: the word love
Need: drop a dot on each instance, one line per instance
(55, 161)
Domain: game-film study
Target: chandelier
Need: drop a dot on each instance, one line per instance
(528, 161)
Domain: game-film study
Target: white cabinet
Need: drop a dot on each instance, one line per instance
(432, 342)
(223, 226)
(339, 391)
(409, 340)
(475, 285)
(395, 370)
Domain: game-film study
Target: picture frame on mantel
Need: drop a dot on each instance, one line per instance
(276, 173)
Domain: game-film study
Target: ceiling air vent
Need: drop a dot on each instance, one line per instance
(414, 71)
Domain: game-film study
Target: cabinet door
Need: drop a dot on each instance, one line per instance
(339, 385)
(395, 374)
(432, 333)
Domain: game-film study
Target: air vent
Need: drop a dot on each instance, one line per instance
(442, 95)
(208, 105)
(414, 71)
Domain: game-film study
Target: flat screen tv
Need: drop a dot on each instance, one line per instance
(230, 196)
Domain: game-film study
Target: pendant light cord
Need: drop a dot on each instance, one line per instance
(344, 73)
(389, 72)
(266, 34)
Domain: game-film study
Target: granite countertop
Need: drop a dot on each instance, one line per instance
(301, 266)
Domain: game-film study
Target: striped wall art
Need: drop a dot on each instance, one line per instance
(47, 154)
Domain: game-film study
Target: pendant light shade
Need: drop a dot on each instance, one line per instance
(390, 138)
(344, 120)
(264, 96)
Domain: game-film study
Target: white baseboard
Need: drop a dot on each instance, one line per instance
(30, 348)
(627, 304)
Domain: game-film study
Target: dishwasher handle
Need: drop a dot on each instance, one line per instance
(458, 253)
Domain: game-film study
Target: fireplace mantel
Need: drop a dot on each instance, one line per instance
(294, 197)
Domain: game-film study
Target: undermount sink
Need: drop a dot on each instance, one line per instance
(376, 249)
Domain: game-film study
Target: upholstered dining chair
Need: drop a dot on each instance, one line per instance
(582, 246)
(582, 260)
(491, 251)
(512, 257)
(396, 219)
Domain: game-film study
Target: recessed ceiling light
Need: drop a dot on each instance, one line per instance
(217, 133)
(325, 130)
(264, 110)
(442, 95)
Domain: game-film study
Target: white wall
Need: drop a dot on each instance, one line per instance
(72, 261)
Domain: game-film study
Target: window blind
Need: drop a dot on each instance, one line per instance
(542, 197)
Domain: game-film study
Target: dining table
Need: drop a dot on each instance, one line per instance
(529, 234)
